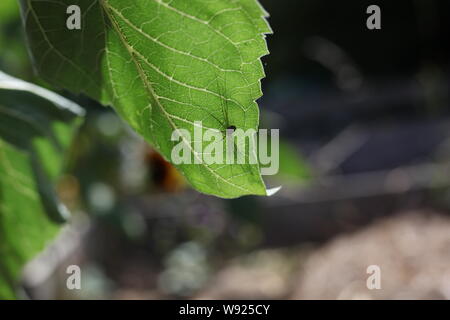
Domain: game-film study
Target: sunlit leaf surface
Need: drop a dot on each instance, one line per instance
(162, 65)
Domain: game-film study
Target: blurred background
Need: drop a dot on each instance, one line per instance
(364, 119)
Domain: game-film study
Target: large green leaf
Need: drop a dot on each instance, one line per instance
(162, 64)
(36, 127)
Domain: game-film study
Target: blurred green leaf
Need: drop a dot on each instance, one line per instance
(8, 10)
(13, 53)
(163, 65)
(36, 128)
(293, 168)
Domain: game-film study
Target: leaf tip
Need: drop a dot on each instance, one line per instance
(270, 192)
